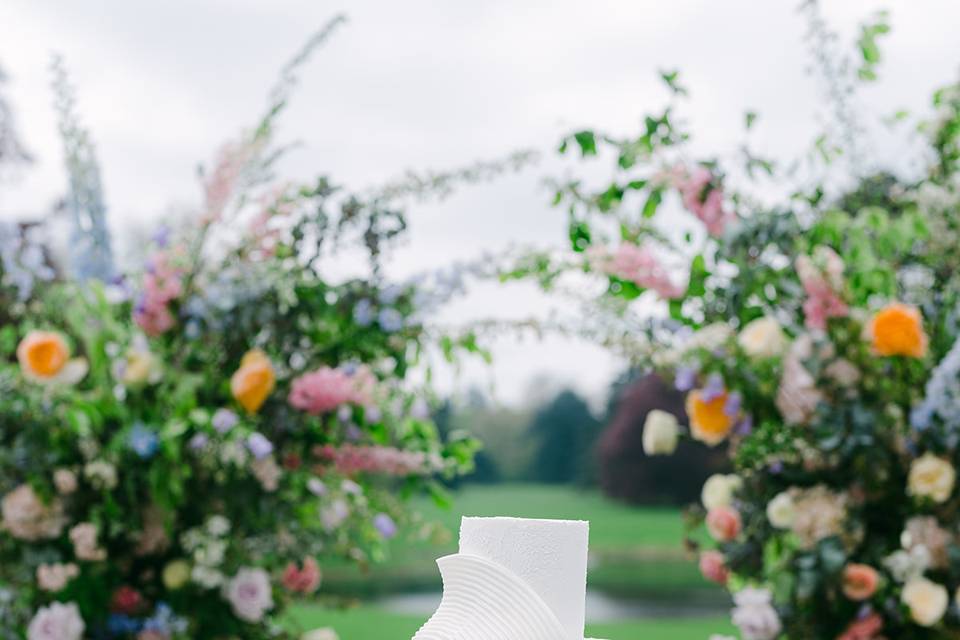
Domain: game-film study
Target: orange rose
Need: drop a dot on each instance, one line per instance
(253, 381)
(43, 354)
(897, 330)
(860, 581)
(709, 423)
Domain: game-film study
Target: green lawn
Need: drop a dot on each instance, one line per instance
(634, 550)
(367, 623)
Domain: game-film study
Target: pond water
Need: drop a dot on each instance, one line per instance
(601, 607)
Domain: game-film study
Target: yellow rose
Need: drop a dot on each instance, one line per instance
(931, 477)
(253, 381)
(176, 574)
(45, 357)
(763, 338)
(927, 601)
(709, 422)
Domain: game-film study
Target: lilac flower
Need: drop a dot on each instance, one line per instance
(363, 313)
(316, 486)
(259, 445)
(199, 441)
(351, 487)
(353, 432)
(745, 426)
(420, 409)
(143, 440)
(385, 525)
(732, 406)
(685, 379)
(224, 420)
(390, 320)
(776, 466)
(390, 294)
(713, 389)
(345, 413)
(372, 414)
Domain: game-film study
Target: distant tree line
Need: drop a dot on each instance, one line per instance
(561, 441)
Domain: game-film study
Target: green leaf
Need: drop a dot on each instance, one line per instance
(750, 118)
(587, 141)
(580, 236)
(653, 201)
(672, 80)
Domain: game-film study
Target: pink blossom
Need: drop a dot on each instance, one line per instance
(635, 264)
(351, 459)
(305, 580)
(162, 284)
(327, 388)
(703, 197)
(220, 185)
(822, 278)
(713, 567)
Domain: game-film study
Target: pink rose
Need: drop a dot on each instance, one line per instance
(702, 195)
(723, 523)
(713, 567)
(305, 580)
(637, 264)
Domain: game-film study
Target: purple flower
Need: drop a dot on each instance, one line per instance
(776, 466)
(353, 432)
(420, 410)
(372, 414)
(745, 426)
(363, 313)
(259, 446)
(351, 487)
(732, 406)
(713, 389)
(316, 486)
(199, 441)
(224, 420)
(685, 379)
(390, 320)
(385, 525)
(345, 413)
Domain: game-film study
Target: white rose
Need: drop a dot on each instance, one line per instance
(57, 622)
(763, 338)
(249, 594)
(755, 616)
(206, 577)
(320, 634)
(781, 511)
(927, 601)
(843, 372)
(660, 432)
(101, 474)
(907, 565)
(718, 490)
(931, 477)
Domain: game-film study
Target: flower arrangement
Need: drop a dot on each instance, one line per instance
(817, 340)
(182, 444)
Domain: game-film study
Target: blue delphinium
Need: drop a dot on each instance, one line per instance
(363, 313)
(143, 440)
(942, 394)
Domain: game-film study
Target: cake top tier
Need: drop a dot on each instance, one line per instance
(549, 555)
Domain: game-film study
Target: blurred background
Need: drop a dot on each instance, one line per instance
(428, 84)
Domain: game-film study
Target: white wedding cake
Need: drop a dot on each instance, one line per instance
(513, 579)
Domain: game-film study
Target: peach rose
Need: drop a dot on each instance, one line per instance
(723, 523)
(305, 580)
(867, 628)
(253, 381)
(860, 581)
(45, 358)
(897, 330)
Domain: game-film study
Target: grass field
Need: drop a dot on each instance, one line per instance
(632, 550)
(366, 623)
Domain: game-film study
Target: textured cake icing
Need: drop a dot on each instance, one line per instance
(513, 579)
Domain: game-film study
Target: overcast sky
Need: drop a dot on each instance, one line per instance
(436, 84)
